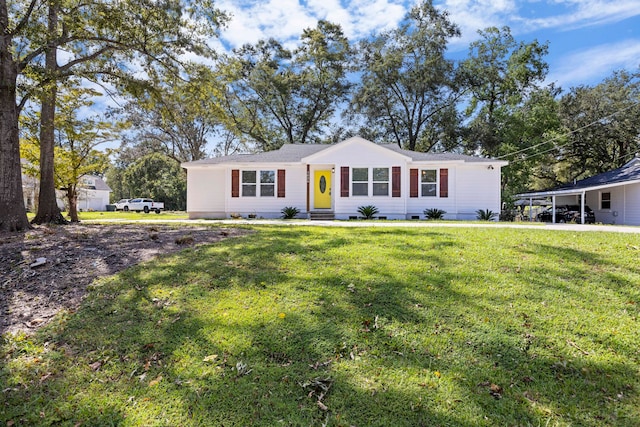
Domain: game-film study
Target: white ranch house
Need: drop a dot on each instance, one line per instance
(332, 181)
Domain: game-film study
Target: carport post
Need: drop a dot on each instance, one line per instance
(553, 209)
(582, 207)
(530, 209)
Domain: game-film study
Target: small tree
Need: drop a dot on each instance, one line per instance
(76, 141)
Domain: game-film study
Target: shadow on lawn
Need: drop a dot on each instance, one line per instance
(136, 349)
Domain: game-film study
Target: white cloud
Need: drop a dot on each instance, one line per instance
(253, 20)
(589, 66)
(525, 17)
(256, 20)
(585, 13)
(474, 15)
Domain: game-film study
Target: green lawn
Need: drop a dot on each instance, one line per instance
(121, 215)
(310, 326)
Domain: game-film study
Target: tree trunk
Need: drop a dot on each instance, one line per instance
(72, 198)
(13, 215)
(48, 210)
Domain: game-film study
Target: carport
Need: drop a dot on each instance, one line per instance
(533, 198)
(615, 194)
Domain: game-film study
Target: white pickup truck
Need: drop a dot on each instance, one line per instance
(142, 205)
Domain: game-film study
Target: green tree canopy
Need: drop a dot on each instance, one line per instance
(159, 177)
(276, 96)
(180, 114)
(408, 89)
(500, 73)
(103, 41)
(602, 125)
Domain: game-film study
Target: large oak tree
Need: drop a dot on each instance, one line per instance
(102, 40)
(409, 90)
(501, 73)
(277, 96)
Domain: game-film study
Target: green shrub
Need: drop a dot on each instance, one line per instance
(508, 215)
(368, 212)
(289, 212)
(485, 215)
(434, 213)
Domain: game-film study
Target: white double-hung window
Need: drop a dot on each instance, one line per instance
(380, 181)
(428, 182)
(360, 182)
(262, 183)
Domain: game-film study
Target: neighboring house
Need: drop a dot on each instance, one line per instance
(31, 189)
(29, 192)
(332, 181)
(93, 193)
(614, 196)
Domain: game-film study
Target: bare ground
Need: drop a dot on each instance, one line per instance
(74, 255)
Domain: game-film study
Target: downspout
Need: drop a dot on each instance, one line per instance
(308, 189)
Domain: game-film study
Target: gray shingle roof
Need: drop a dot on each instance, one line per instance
(628, 172)
(416, 156)
(293, 153)
(99, 183)
(288, 153)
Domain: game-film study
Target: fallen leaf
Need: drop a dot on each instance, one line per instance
(156, 381)
(210, 358)
(45, 377)
(495, 390)
(96, 365)
(322, 406)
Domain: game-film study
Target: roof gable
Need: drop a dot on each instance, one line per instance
(348, 145)
(97, 183)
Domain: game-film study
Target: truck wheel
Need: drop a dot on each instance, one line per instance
(146, 209)
(157, 211)
(126, 209)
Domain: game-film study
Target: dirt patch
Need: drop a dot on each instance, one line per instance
(48, 269)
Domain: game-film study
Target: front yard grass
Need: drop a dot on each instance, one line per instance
(124, 216)
(310, 326)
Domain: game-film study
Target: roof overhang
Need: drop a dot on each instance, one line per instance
(574, 191)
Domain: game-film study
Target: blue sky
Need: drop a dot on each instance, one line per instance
(588, 39)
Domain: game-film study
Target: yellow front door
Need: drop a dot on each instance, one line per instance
(322, 190)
